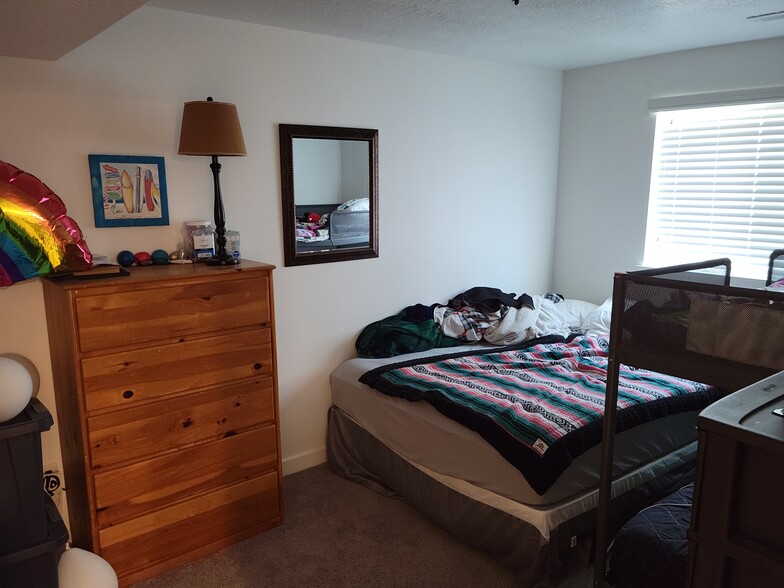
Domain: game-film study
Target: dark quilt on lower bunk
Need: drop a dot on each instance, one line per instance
(539, 404)
(652, 550)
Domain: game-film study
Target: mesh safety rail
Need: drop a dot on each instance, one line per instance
(668, 319)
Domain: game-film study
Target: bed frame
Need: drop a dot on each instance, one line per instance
(355, 454)
(347, 228)
(723, 337)
(775, 266)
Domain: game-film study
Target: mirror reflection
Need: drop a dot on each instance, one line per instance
(331, 194)
(329, 190)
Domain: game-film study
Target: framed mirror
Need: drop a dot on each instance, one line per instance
(329, 190)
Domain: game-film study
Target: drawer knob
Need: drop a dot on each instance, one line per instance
(256, 366)
(128, 394)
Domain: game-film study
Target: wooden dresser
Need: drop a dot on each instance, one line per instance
(736, 537)
(166, 392)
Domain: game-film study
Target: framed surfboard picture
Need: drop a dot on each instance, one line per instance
(128, 190)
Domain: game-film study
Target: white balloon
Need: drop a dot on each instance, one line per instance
(78, 568)
(16, 388)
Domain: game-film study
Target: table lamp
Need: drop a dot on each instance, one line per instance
(213, 128)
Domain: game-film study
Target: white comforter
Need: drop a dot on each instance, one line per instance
(519, 324)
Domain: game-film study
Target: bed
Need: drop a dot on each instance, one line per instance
(343, 225)
(448, 467)
(674, 321)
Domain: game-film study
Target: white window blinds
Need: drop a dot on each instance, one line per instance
(717, 187)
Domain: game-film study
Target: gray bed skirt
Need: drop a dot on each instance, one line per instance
(353, 453)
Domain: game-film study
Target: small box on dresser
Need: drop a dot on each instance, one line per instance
(166, 393)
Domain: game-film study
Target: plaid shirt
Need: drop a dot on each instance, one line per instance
(466, 323)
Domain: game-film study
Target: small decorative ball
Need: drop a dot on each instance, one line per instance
(143, 258)
(313, 217)
(16, 384)
(126, 258)
(78, 568)
(160, 257)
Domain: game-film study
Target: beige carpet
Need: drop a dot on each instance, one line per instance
(337, 533)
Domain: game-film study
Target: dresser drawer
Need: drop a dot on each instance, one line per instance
(127, 377)
(186, 526)
(128, 491)
(151, 314)
(139, 431)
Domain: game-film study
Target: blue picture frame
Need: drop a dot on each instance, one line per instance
(128, 191)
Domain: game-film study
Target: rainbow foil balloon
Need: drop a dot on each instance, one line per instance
(36, 236)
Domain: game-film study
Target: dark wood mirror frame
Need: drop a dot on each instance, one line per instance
(287, 135)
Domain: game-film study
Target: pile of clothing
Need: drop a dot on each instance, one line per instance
(478, 314)
(312, 227)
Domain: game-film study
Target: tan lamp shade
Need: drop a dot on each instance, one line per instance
(211, 128)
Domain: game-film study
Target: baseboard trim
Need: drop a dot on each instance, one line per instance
(303, 461)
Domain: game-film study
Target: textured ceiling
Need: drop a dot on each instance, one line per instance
(553, 33)
(563, 34)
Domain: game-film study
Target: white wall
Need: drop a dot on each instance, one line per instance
(607, 145)
(354, 170)
(468, 164)
(317, 171)
(330, 171)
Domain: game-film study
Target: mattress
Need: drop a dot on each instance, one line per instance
(349, 227)
(420, 434)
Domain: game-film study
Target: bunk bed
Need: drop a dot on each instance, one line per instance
(693, 325)
(446, 466)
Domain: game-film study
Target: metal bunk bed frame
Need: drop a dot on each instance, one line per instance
(775, 265)
(713, 370)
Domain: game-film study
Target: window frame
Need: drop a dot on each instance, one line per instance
(693, 169)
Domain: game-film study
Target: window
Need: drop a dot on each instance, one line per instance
(717, 186)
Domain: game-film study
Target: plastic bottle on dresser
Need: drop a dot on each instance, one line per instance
(203, 244)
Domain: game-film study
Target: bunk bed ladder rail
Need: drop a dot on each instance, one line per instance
(608, 436)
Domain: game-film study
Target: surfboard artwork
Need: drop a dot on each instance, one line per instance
(126, 187)
(37, 237)
(128, 190)
(151, 192)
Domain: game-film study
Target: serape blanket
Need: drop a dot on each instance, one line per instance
(540, 403)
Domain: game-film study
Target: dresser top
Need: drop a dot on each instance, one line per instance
(748, 413)
(153, 273)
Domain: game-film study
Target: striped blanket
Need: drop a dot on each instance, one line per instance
(540, 404)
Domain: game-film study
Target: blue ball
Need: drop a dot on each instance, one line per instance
(126, 258)
(160, 257)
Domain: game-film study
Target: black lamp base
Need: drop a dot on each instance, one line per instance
(221, 257)
(222, 260)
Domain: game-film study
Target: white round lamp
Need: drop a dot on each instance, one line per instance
(16, 388)
(78, 568)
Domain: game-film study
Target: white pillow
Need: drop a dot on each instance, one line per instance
(575, 311)
(598, 321)
(355, 205)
